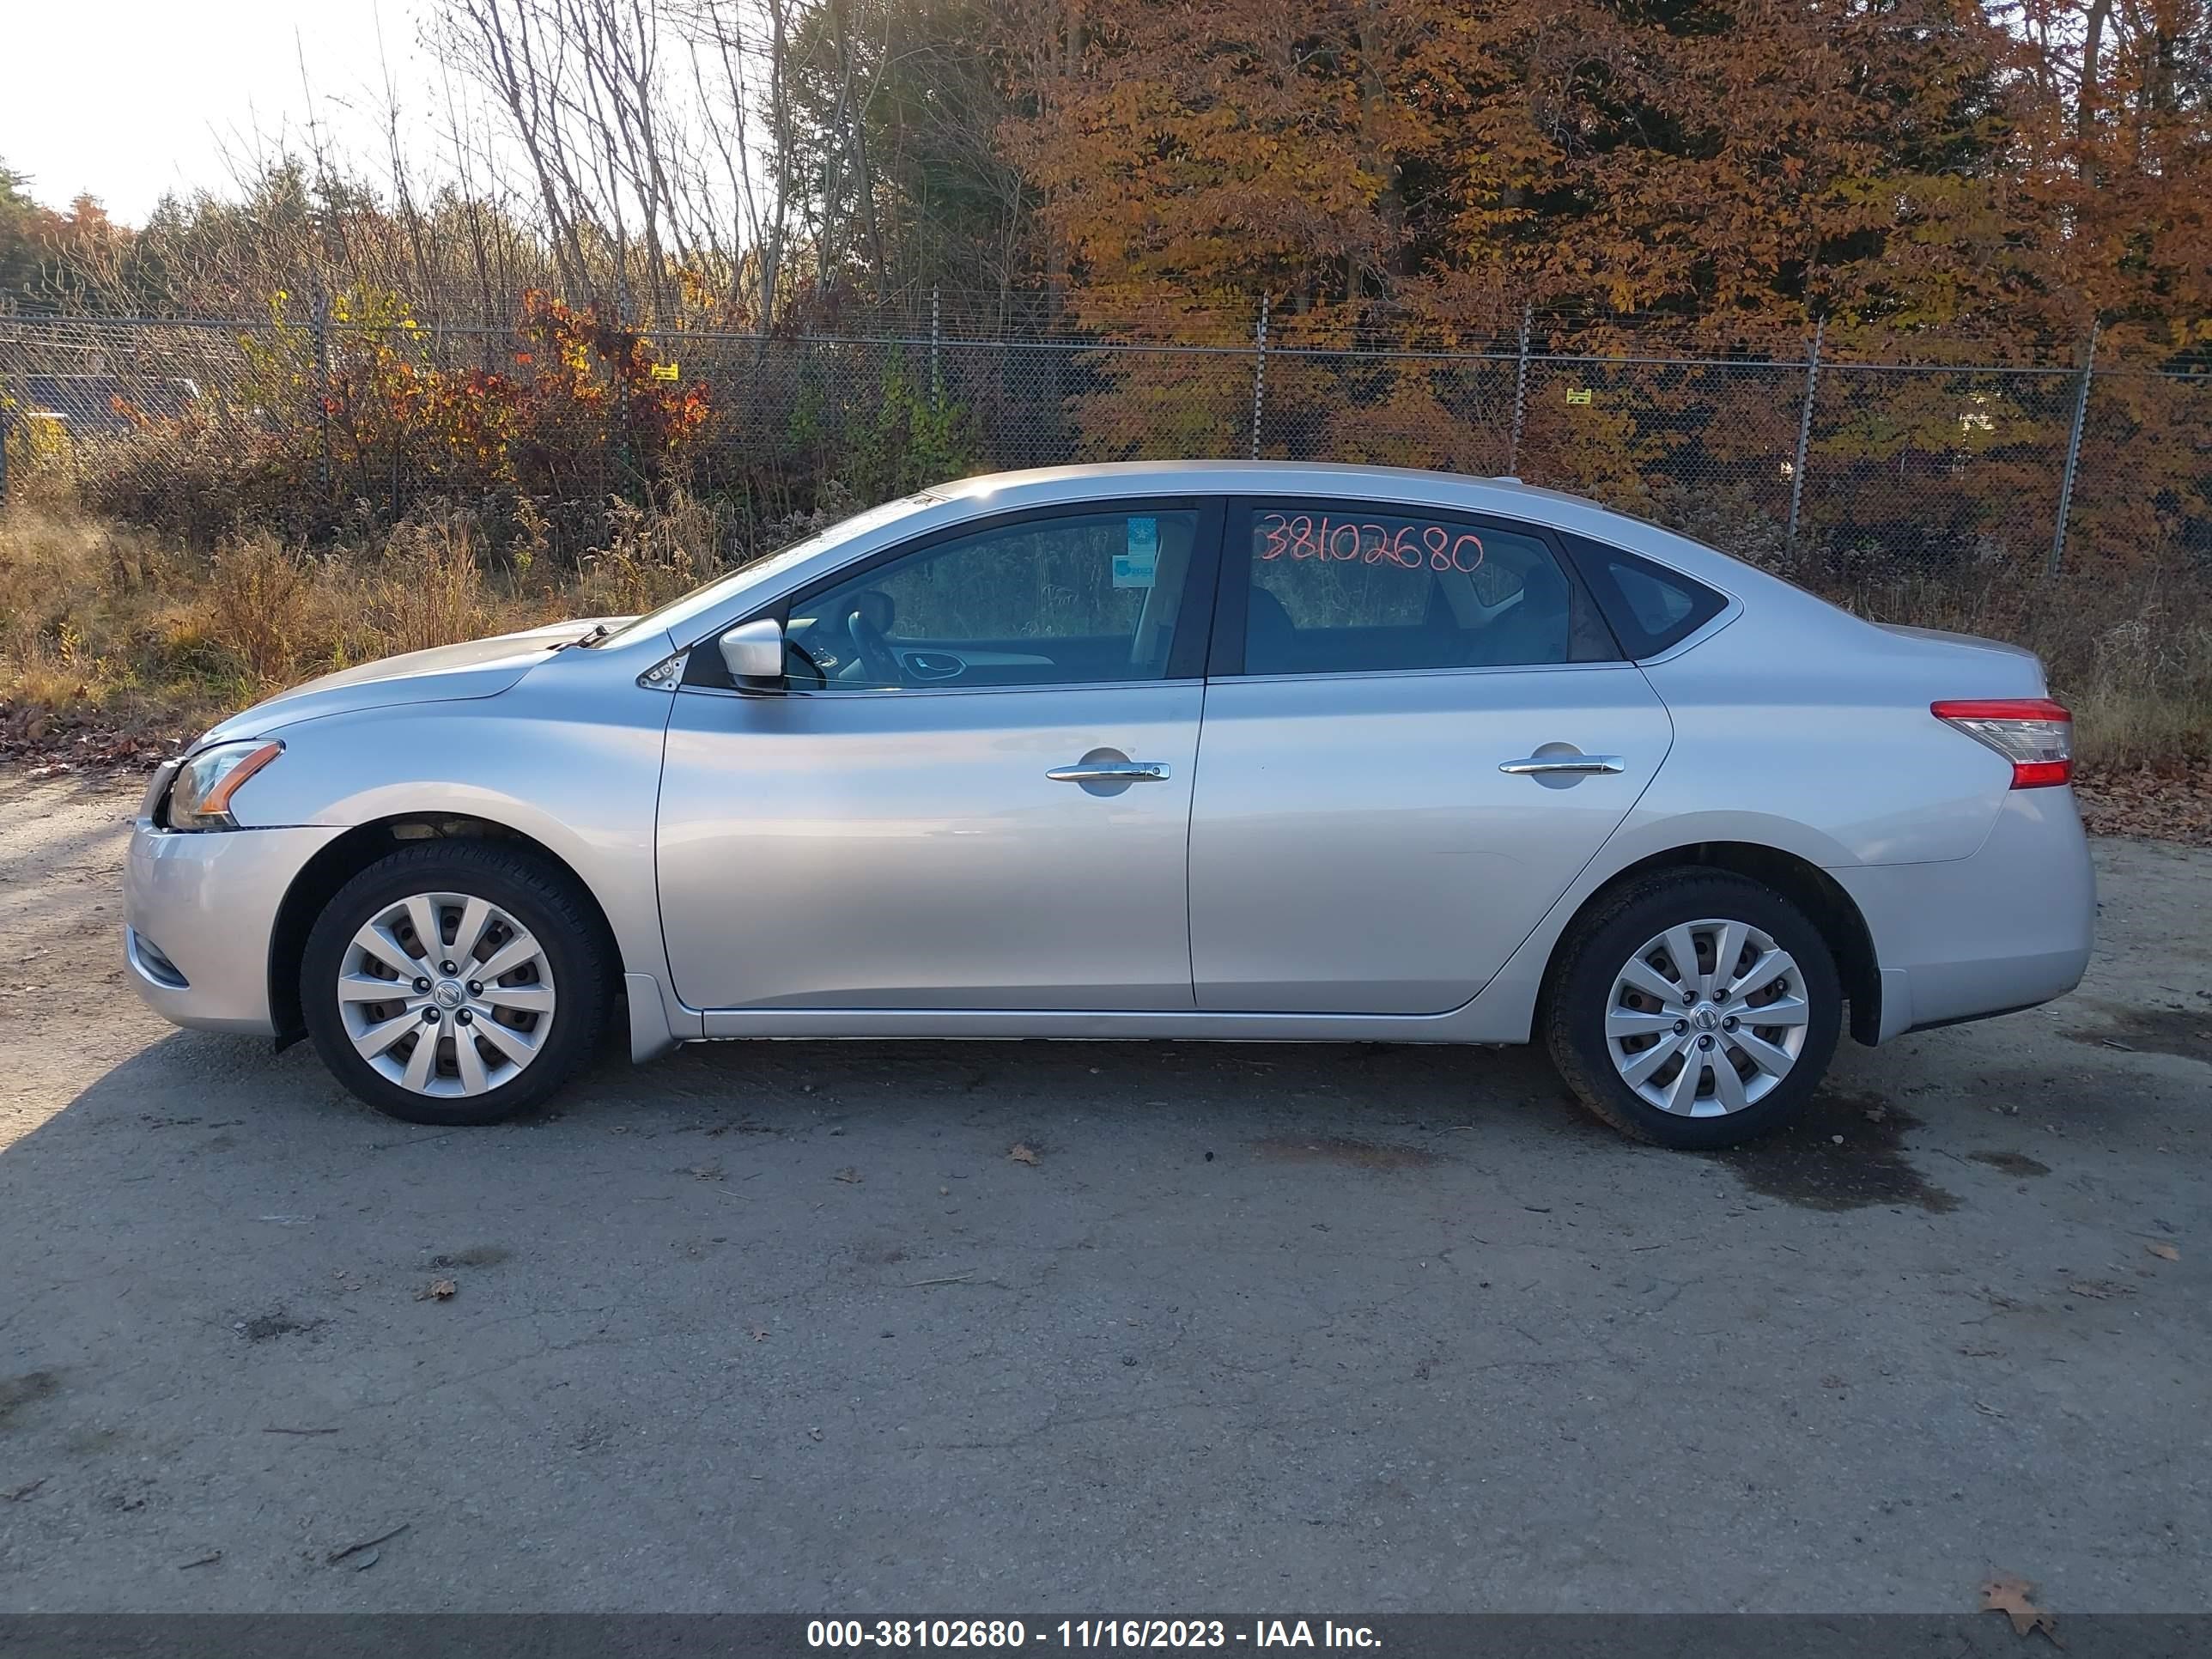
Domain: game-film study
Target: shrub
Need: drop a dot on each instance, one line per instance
(345, 426)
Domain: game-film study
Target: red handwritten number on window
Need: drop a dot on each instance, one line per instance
(1413, 546)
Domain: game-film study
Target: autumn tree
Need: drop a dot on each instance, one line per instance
(1738, 160)
(76, 260)
(2115, 150)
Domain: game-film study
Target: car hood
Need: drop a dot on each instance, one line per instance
(475, 668)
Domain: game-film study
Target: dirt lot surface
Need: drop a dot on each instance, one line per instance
(786, 1328)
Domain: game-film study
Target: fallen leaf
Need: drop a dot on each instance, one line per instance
(814, 1434)
(438, 1289)
(2164, 1252)
(2175, 805)
(849, 1175)
(2011, 1597)
(1021, 1153)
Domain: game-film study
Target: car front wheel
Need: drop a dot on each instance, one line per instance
(1695, 1009)
(454, 982)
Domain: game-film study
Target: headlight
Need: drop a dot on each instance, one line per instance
(199, 796)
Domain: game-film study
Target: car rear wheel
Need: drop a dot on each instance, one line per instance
(1695, 1009)
(454, 982)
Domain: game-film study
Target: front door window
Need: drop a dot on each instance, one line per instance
(1083, 600)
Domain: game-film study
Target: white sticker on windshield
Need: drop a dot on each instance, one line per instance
(1134, 567)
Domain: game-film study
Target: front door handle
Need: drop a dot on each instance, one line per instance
(1104, 771)
(1542, 766)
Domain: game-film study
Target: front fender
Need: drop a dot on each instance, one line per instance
(574, 767)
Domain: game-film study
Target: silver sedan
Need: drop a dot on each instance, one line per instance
(1198, 750)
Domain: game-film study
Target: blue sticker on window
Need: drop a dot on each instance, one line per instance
(1135, 567)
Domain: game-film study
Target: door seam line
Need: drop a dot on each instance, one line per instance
(1189, 826)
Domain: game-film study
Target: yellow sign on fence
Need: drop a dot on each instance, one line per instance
(1579, 394)
(665, 372)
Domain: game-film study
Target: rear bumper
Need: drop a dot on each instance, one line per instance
(198, 911)
(2006, 928)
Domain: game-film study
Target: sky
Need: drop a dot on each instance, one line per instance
(127, 99)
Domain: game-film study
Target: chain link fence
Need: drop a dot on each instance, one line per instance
(1831, 468)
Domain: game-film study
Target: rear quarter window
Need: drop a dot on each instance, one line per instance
(1650, 607)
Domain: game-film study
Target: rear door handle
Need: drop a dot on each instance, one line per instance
(1562, 765)
(1127, 771)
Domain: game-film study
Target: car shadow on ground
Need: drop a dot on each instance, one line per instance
(279, 1119)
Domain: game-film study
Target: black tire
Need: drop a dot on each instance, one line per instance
(1600, 945)
(539, 896)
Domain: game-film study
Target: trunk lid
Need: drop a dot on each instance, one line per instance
(1986, 668)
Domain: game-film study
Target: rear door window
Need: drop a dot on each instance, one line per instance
(1346, 588)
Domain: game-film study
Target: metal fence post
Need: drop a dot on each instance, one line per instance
(936, 351)
(1520, 396)
(2073, 451)
(323, 379)
(1259, 374)
(1805, 428)
(614, 438)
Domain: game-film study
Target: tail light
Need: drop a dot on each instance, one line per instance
(2034, 733)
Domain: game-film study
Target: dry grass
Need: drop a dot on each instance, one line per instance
(106, 626)
(2130, 650)
(103, 624)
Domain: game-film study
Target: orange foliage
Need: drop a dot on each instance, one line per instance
(1914, 164)
(581, 390)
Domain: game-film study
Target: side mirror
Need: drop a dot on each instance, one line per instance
(753, 652)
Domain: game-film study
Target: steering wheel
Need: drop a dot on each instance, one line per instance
(876, 658)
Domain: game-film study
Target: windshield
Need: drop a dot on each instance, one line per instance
(672, 617)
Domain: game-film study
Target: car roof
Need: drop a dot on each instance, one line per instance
(1137, 477)
(1401, 485)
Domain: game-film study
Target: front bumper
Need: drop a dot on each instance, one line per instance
(198, 911)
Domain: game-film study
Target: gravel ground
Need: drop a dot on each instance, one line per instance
(786, 1328)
